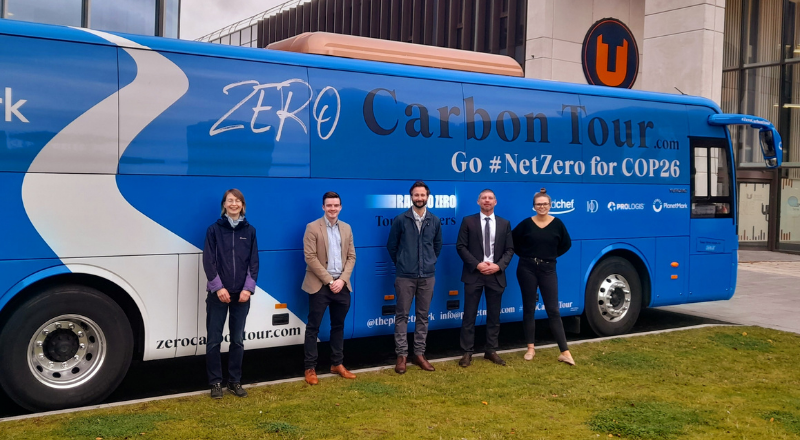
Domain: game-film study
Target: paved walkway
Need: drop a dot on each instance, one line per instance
(767, 293)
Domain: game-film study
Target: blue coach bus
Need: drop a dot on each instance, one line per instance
(115, 149)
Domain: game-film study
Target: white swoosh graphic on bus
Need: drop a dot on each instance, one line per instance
(85, 215)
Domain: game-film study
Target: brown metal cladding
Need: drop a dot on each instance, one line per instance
(405, 21)
(322, 13)
(453, 15)
(417, 20)
(347, 14)
(273, 28)
(495, 8)
(428, 24)
(511, 24)
(338, 16)
(330, 16)
(441, 24)
(364, 14)
(375, 19)
(355, 18)
(293, 29)
(480, 27)
(394, 22)
(261, 28)
(312, 14)
(386, 8)
(467, 27)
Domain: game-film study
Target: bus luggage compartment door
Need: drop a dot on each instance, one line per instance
(670, 283)
(374, 310)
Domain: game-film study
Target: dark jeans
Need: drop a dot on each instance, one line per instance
(216, 312)
(542, 275)
(407, 289)
(339, 304)
(472, 297)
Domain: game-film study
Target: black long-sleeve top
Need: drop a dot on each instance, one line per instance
(548, 243)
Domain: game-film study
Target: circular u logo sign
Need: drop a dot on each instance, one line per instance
(610, 55)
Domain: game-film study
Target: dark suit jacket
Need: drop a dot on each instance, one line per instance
(470, 247)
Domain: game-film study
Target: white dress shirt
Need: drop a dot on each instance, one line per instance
(492, 229)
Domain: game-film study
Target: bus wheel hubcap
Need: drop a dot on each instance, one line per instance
(66, 351)
(614, 298)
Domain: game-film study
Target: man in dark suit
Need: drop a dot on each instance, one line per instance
(485, 245)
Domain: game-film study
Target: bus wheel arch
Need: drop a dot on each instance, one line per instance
(616, 289)
(72, 338)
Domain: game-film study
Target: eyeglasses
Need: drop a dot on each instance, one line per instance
(233, 201)
(541, 205)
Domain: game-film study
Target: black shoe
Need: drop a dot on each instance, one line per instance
(493, 357)
(216, 391)
(237, 389)
(466, 360)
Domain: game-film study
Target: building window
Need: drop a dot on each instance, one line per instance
(63, 12)
(128, 16)
(171, 17)
(760, 96)
(762, 30)
(753, 62)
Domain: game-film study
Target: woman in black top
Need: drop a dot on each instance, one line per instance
(538, 241)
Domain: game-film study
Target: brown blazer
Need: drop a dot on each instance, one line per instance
(315, 248)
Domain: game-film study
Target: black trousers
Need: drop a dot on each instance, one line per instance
(339, 304)
(216, 313)
(472, 297)
(542, 275)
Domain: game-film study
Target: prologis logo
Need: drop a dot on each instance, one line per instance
(613, 206)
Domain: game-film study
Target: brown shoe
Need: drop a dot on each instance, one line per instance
(420, 361)
(400, 367)
(342, 371)
(494, 357)
(466, 360)
(311, 377)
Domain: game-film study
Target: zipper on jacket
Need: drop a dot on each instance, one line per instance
(233, 253)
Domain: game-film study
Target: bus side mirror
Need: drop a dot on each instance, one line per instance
(768, 147)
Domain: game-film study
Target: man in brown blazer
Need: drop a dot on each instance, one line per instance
(330, 258)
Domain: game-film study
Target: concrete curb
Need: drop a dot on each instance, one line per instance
(323, 376)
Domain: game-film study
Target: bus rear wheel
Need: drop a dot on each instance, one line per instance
(67, 346)
(613, 297)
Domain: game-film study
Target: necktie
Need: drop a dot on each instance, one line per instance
(487, 244)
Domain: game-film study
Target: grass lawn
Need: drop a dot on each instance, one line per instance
(711, 383)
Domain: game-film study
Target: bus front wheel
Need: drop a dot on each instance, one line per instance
(67, 346)
(613, 297)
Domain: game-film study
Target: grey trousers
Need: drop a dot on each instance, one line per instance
(407, 289)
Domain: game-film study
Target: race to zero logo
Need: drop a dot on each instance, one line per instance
(610, 55)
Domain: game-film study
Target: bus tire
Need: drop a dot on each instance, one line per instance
(67, 346)
(613, 297)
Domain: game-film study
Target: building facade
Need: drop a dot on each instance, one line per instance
(143, 17)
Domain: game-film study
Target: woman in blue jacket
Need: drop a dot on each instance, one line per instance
(230, 260)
